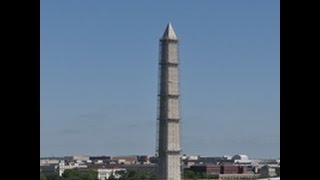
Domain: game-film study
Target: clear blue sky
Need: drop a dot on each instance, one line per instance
(99, 74)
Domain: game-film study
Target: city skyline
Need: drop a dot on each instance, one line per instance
(99, 73)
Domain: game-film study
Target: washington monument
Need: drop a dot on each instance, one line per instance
(169, 148)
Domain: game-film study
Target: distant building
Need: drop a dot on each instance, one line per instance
(154, 159)
(104, 174)
(219, 169)
(239, 176)
(99, 161)
(125, 159)
(269, 161)
(104, 171)
(270, 171)
(102, 158)
(50, 169)
(69, 165)
(76, 158)
(232, 169)
(187, 163)
(277, 171)
(210, 160)
(193, 157)
(190, 160)
(227, 157)
(207, 169)
(241, 159)
(49, 161)
(143, 159)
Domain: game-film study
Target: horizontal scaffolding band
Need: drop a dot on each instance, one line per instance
(169, 64)
(169, 95)
(173, 119)
(177, 152)
(170, 119)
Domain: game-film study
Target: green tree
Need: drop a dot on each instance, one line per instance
(75, 174)
(188, 174)
(112, 177)
(122, 175)
(54, 177)
(71, 173)
(43, 177)
(136, 175)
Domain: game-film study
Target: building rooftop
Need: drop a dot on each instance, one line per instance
(240, 157)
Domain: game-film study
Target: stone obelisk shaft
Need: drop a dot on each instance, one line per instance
(169, 112)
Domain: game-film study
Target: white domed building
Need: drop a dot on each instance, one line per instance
(241, 159)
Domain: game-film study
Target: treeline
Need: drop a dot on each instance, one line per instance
(188, 174)
(75, 174)
(72, 174)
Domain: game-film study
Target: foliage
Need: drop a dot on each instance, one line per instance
(112, 177)
(43, 177)
(74, 174)
(53, 177)
(136, 175)
(189, 174)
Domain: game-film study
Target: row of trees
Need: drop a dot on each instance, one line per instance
(72, 174)
(75, 174)
(188, 174)
(134, 175)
